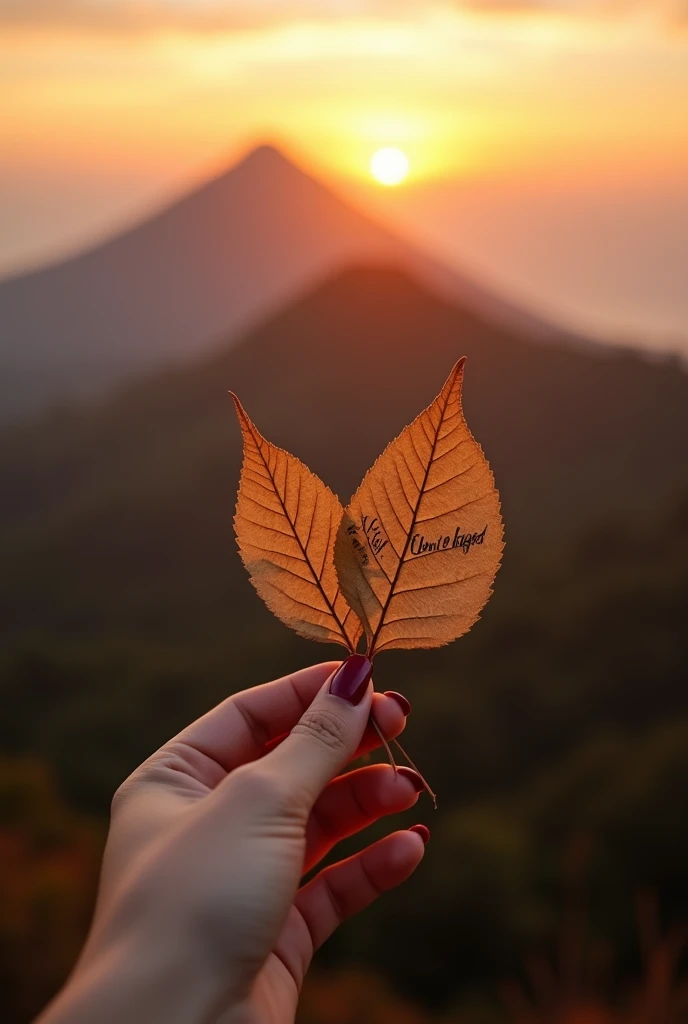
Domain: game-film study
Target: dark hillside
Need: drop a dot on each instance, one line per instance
(124, 611)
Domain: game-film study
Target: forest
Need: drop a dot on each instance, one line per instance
(555, 735)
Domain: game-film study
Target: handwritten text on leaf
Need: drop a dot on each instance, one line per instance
(421, 541)
(412, 558)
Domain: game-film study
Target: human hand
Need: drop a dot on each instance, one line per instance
(201, 915)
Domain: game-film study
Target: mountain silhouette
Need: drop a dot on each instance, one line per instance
(202, 270)
(134, 497)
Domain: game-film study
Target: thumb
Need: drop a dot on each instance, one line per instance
(328, 733)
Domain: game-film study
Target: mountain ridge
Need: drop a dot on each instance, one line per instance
(201, 270)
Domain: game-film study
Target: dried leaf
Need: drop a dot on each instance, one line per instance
(421, 542)
(286, 523)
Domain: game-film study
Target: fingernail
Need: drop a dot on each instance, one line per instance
(421, 830)
(351, 679)
(401, 701)
(413, 777)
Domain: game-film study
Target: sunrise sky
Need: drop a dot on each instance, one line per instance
(547, 140)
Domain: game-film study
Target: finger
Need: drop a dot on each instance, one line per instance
(326, 736)
(351, 885)
(353, 801)
(237, 730)
(390, 716)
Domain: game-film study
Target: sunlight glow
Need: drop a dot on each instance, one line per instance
(389, 166)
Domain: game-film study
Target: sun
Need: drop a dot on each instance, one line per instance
(389, 166)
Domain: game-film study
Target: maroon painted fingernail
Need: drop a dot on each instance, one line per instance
(413, 777)
(421, 830)
(351, 679)
(401, 701)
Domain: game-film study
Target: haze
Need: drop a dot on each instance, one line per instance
(548, 144)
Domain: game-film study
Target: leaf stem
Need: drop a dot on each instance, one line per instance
(411, 764)
(385, 744)
(406, 757)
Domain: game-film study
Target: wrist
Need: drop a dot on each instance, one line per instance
(141, 980)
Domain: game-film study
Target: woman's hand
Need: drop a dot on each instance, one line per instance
(201, 914)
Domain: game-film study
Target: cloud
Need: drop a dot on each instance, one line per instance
(201, 15)
(147, 15)
(668, 11)
(215, 15)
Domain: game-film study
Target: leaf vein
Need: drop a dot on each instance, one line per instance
(434, 586)
(411, 527)
(473, 501)
(304, 550)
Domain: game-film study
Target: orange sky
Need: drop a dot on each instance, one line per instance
(109, 107)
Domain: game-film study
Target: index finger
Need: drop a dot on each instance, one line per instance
(238, 729)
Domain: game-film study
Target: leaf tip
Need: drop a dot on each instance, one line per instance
(238, 408)
(455, 378)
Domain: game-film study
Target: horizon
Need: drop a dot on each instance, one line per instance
(402, 226)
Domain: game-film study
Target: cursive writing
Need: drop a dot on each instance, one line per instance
(465, 541)
(359, 548)
(373, 531)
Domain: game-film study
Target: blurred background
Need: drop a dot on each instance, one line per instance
(322, 205)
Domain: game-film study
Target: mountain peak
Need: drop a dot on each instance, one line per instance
(209, 265)
(265, 156)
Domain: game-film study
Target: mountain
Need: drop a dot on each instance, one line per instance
(128, 504)
(202, 270)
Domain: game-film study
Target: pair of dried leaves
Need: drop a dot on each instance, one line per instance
(412, 559)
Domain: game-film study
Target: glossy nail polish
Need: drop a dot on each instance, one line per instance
(421, 830)
(401, 701)
(351, 679)
(413, 777)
